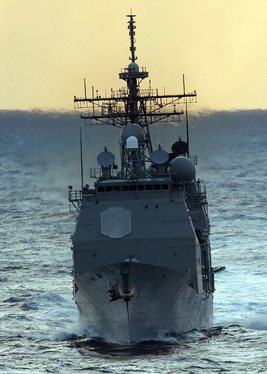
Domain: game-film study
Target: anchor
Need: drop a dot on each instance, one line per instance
(125, 288)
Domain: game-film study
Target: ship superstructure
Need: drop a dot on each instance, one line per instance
(141, 251)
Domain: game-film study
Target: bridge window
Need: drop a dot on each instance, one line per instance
(133, 187)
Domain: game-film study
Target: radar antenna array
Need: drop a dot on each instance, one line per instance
(133, 104)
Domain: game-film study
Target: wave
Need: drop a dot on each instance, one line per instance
(258, 323)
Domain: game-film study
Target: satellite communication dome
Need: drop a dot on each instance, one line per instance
(159, 157)
(105, 159)
(133, 67)
(132, 129)
(132, 142)
(183, 169)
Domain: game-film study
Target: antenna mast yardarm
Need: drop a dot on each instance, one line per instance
(133, 104)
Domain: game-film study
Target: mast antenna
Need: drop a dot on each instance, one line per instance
(131, 28)
(84, 86)
(186, 118)
(81, 156)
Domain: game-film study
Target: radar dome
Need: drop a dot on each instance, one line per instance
(183, 169)
(131, 142)
(133, 67)
(132, 129)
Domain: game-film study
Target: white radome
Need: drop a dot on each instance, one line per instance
(183, 169)
(132, 129)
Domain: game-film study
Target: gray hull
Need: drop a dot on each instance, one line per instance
(163, 301)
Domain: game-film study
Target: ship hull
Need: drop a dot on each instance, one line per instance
(162, 301)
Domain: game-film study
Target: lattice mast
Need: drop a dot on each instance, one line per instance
(133, 105)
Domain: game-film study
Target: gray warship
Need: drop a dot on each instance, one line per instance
(141, 249)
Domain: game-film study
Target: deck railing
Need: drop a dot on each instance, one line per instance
(75, 196)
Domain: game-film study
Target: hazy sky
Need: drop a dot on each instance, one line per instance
(49, 46)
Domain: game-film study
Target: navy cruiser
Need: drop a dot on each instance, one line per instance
(141, 250)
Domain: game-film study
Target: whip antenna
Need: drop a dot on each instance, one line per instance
(186, 119)
(81, 156)
(84, 86)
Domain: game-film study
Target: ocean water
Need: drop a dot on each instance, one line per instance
(39, 329)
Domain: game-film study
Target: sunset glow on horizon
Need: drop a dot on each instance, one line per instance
(49, 47)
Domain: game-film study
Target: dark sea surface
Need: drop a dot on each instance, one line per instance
(39, 329)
